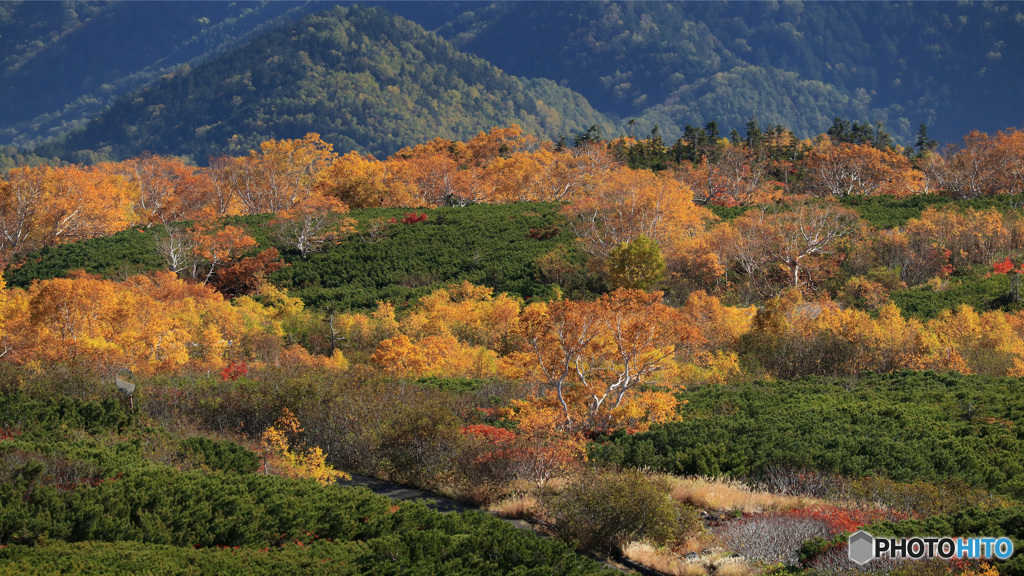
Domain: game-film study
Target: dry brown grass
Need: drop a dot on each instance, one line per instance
(673, 563)
(523, 504)
(733, 567)
(516, 507)
(693, 544)
(732, 495)
(662, 560)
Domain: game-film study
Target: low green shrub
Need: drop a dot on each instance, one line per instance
(605, 510)
(34, 417)
(217, 510)
(224, 455)
(907, 426)
(974, 290)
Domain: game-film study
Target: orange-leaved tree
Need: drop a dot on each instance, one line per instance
(593, 358)
(202, 250)
(365, 182)
(625, 204)
(966, 171)
(736, 176)
(164, 189)
(24, 194)
(545, 175)
(435, 355)
(154, 323)
(542, 448)
(282, 174)
(844, 169)
(437, 179)
(473, 314)
(451, 332)
(804, 238)
(42, 206)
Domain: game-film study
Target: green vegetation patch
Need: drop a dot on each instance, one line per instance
(454, 385)
(223, 455)
(66, 443)
(68, 504)
(489, 245)
(130, 558)
(39, 418)
(885, 212)
(907, 426)
(345, 526)
(128, 252)
(385, 260)
(982, 294)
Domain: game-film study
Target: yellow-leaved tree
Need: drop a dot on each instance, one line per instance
(283, 453)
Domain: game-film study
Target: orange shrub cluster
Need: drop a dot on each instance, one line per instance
(609, 363)
(152, 324)
(792, 337)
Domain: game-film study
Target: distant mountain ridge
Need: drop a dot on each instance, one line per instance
(61, 62)
(953, 66)
(363, 78)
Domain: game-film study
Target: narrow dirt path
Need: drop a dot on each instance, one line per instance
(445, 504)
(399, 492)
(432, 499)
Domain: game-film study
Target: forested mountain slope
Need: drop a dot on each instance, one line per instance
(949, 65)
(364, 79)
(800, 64)
(61, 62)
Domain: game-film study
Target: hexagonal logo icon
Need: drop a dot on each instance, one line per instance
(861, 547)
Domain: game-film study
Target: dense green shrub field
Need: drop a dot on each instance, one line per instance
(884, 211)
(489, 245)
(119, 256)
(907, 426)
(974, 290)
(217, 510)
(168, 514)
(87, 488)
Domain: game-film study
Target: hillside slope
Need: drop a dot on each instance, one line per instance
(951, 65)
(61, 62)
(364, 79)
